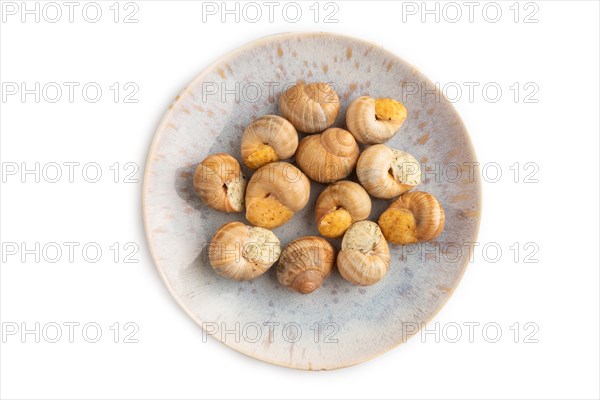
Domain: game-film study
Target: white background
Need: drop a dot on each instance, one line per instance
(162, 53)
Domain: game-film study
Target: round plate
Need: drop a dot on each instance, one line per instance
(339, 324)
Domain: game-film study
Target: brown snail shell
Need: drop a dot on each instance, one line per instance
(219, 183)
(329, 156)
(269, 138)
(413, 217)
(275, 192)
(310, 107)
(339, 206)
(367, 126)
(305, 263)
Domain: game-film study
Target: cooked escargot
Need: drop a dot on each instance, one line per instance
(243, 252)
(219, 183)
(311, 108)
(329, 156)
(305, 263)
(365, 256)
(413, 217)
(373, 121)
(340, 205)
(275, 192)
(385, 172)
(268, 139)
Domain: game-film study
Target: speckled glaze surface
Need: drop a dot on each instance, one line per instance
(338, 325)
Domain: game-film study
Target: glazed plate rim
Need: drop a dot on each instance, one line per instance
(160, 131)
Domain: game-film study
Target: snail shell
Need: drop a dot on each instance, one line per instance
(339, 206)
(374, 121)
(219, 183)
(243, 252)
(328, 157)
(268, 139)
(413, 217)
(305, 263)
(365, 256)
(310, 107)
(275, 192)
(385, 172)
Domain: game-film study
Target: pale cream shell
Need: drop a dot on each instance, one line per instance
(386, 173)
(368, 262)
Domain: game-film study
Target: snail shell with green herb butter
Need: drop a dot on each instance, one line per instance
(365, 256)
(385, 172)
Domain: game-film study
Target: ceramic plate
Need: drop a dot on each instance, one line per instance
(340, 324)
